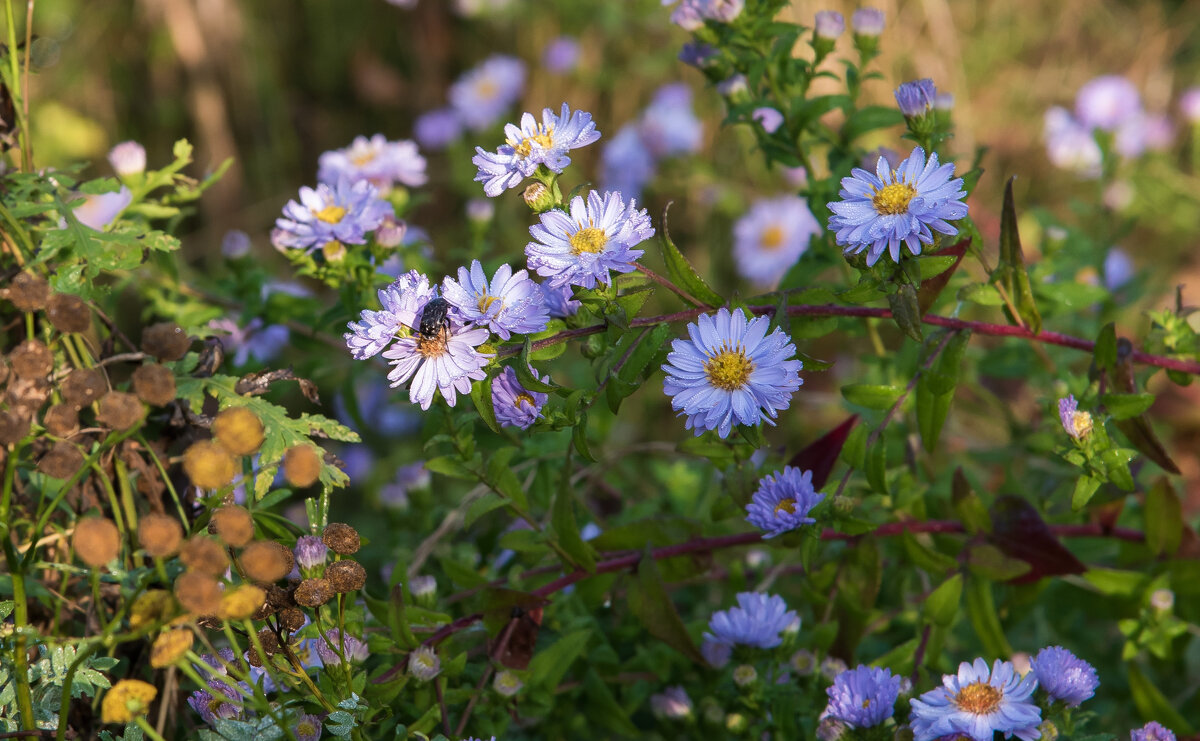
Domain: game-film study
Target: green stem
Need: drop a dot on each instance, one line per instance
(20, 651)
(147, 728)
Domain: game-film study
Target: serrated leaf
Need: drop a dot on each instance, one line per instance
(682, 272)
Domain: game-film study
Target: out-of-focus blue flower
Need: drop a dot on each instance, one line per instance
(515, 406)
(783, 501)
(101, 209)
(381, 162)
(437, 128)
(1064, 676)
(916, 98)
(235, 244)
(1143, 132)
(943, 101)
(734, 86)
(716, 653)
(483, 94)
(1152, 731)
(310, 552)
(729, 371)
(480, 210)
(756, 621)
(533, 144)
(672, 703)
(127, 159)
(344, 213)
(1118, 269)
(580, 246)
(511, 303)
(1189, 104)
(626, 165)
(829, 24)
(880, 212)
(863, 697)
(214, 704)
(561, 55)
(797, 177)
(977, 702)
(402, 302)
(559, 302)
(867, 22)
(308, 728)
(697, 54)
(769, 118)
(412, 476)
(771, 237)
(668, 126)
(254, 340)
(334, 641)
(380, 415)
(1076, 423)
(1107, 102)
(1071, 145)
(446, 363)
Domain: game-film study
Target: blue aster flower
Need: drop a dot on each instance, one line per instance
(626, 165)
(730, 370)
(344, 212)
(1107, 102)
(978, 702)
(771, 237)
(514, 405)
(580, 246)
(863, 697)
(381, 162)
(512, 303)
(916, 98)
(668, 126)
(878, 212)
(1152, 731)
(216, 703)
(436, 129)
(533, 144)
(1065, 676)
(483, 94)
(561, 55)
(757, 621)
(308, 728)
(1076, 423)
(402, 303)
(783, 501)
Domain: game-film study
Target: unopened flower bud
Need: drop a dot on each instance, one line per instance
(829, 24)
(507, 684)
(480, 210)
(736, 723)
(424, 664)
(831, 667)
(424, 590)
(867, 22)
(538, 197)
(235, 244)
(745, 675)
(391, 232)
(1049, 730)
(803, 662)
(1162, 599)
(310, 554)
(128, 159)
(334, 251)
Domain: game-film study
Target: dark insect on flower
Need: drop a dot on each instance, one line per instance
(434, 318)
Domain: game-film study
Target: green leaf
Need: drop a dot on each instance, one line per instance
(1164, 518)
(579, 438)
(924, 557)
(562, 519)
(970, 509)
(1116, 583)
(1011, 268)
(869, 118)
(649, 601)
(604, 708)
(481, 397)
(871, 396)
(1116, 465)
(1105, 352)
(990, 562)
(935, 390)
(941, 606)
(1151, 703)
(983, 294)
(1085, 487)
(932, 265)
(450, 466)
(899, 659)
(682, 272)
(549, 666)
(906, 310)
(876, 468)
(526, 376)
(981, 609)
(1124, 406)
(481, 506)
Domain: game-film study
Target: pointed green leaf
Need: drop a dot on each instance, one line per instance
(481, 396)
(562, 519)
(906, 310)
(981, 609)
(941, 606)
(1125, 406)
(1152, 703)
(649, 601)
(872, 396)
(1012, 264)
(682, 272)
(1164, 518)
(1085, 487)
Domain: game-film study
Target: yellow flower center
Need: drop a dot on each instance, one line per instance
(486, 88)
(330, 214)
(544, 138)
(432, 347)
(588, 239)
(729, 370)
(485, 301)
(772, 237)
(893, 199)
(306, 728)
(523, 399)
(979, 698)
(786, 505)
(1082, 422)
(363, 158)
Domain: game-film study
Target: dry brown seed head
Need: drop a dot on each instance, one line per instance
(199, 593)
(341, 538)
(208, 465)
(154, 384)
(313, 592)
(253, 658)
(301, 465)
(120, 410)
(31, 359)
(96, 541)
(292, 619)
(204, 555)
(346, 576)
(239, 430)
(61, 420)
(68, 313)
(63, 460)
(278, 597)
(270, 643)
(170, 646)
(165, 341)
(160, 535)
(266, 560)
(234, 525)
(28, 292)
(13, 426)
(82, 386)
